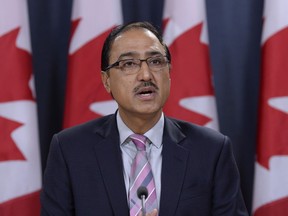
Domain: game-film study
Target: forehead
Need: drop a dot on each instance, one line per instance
(137, 42)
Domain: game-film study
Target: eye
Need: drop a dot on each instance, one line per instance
(158, 60)
(129, 63)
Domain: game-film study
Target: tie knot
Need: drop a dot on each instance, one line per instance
(139, 140)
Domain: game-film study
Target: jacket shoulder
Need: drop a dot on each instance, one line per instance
(196, 131)
(87, 127)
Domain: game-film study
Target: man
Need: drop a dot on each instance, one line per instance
(93, 168)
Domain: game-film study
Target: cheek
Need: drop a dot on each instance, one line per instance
(120, 87)
(167, 86)
(166, 83)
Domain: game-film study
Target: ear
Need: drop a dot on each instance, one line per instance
(106, 81)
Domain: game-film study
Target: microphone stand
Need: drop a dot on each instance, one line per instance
(143, 205)
(142, 194)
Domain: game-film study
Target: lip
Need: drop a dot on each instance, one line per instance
(146, 93)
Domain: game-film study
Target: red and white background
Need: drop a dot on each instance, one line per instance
(271, 170)
(185, 32)
(215, 61)
(20, 170)
(86, 97)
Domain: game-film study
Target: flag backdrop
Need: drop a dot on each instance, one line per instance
(271, 171)
(86, 98)
(187, 37)
(64, 35)
(20, 170)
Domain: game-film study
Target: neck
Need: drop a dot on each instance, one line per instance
(140, 124)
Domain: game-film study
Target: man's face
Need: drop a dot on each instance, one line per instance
(128, 90)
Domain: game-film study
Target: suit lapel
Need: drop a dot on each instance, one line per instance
(110, 163)
(174, 161)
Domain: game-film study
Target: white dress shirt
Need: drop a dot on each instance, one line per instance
(154, 151)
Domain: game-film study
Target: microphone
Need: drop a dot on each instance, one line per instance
(142, 194)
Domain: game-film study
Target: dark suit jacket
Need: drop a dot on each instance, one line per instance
(84, 173)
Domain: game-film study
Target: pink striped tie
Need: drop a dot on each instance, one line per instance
(141, 175)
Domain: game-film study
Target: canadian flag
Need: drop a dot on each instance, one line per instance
(271, 170)
(20, 170)
(86, 97)
(192, 93)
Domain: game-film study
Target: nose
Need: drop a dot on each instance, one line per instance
(144, 72)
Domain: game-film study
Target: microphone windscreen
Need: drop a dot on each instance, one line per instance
(142, 191)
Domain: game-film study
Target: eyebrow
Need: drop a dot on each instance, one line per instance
(132, 54)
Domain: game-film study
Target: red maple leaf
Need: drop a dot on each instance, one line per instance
(190, 74)
(8, 148)
(84, 85)
(273, 124)
(15, 68)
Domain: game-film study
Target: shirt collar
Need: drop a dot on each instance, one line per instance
(155, 134)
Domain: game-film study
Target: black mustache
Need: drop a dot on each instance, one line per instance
(145, 84)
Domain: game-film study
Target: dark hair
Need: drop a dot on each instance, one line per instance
(123, 28)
